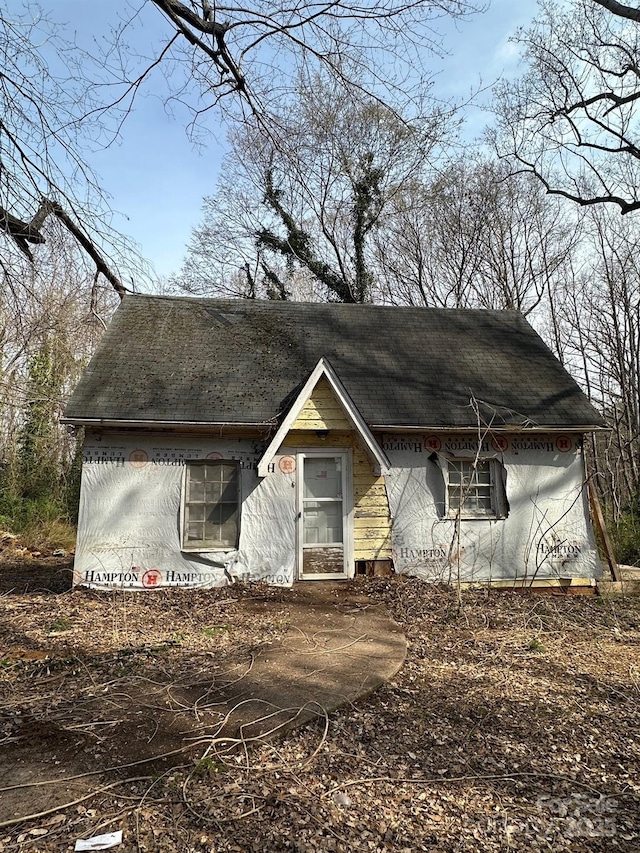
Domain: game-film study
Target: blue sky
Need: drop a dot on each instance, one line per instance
(156, 177)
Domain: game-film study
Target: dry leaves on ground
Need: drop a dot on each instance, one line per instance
(512, 725)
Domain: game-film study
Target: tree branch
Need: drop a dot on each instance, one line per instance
(297, 245)
(24, 233)
(620, 9)
(624, 205)
(90, 249)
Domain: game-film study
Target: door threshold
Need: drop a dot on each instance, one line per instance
(323, 578)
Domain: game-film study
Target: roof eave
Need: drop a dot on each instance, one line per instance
(184, 426)
(132, 423)
(492, 429)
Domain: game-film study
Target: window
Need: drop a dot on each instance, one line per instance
(211, 509)
(475, 489)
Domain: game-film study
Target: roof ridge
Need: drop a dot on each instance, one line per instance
(281, 303)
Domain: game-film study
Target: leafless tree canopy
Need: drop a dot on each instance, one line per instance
(299, 218)
(572, 119)
(476, 236)
(43, 141)
(237, 58)
(253, 50)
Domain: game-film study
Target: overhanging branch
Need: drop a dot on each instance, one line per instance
(620, 9)
(23, 233)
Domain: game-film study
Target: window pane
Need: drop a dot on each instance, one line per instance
(471, 489)
(224, 472)
(212, 492)
(196, 512)
(229, 492)
(194, 532)
(196, 491)
(322, 522)
(211, 512)
(227, 511)
(323, 477)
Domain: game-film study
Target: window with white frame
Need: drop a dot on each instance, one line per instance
(475, 489)
(211, 505)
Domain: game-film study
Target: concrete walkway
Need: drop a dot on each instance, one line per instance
(340, 647)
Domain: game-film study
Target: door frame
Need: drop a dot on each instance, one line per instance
(347, 511)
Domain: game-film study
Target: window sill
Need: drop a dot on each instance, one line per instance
(466, 517)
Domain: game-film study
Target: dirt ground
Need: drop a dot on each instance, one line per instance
(513, 724)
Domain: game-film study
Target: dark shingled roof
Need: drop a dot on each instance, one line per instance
(242, 361)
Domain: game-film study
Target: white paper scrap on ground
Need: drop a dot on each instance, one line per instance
(100, 842)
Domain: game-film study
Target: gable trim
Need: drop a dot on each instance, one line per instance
(371, 447)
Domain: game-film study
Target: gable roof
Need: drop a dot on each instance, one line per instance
(170, 360)
(376, 454)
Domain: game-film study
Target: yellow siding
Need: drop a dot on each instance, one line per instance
(371, 519)
(322, 411)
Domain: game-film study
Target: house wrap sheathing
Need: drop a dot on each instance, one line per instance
(230, 439)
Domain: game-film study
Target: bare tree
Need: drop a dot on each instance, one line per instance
(428, 253)
(477, 237)
(239, 59)
(48, 330)
(253, 52)
(572, 119)
(43, 143)
(304, 213)
(598, 317)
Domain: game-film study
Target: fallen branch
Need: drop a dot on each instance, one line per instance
(37, 815)
(453, 779)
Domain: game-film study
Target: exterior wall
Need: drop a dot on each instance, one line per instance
(546, 533)
(322, 411)
(129, 524)
(129, 521)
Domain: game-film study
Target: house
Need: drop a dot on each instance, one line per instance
(230, 439)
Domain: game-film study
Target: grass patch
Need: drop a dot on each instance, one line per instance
(59, 624)
(213, 631)
(49, 535)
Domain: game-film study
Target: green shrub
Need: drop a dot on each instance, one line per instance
(42, 523)
(625, 534)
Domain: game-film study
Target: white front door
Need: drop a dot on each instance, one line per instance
(324, 515)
